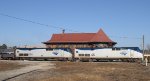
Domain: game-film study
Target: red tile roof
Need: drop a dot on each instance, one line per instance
(100, 36)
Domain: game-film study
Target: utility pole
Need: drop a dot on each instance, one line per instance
(143, 46)
(63, 31)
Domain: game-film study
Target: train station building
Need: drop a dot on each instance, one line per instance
(80, 40)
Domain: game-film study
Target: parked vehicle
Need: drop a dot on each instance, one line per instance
(7, 54)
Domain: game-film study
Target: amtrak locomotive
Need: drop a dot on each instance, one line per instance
(79, 54)
(109, 54)
(43, 53)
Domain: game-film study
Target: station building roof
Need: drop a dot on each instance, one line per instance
(99, 37)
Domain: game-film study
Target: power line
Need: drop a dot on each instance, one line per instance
(52, 26)
(21, 19)
(125, 37)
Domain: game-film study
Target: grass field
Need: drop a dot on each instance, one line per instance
(74, 71)
(108, 71)
(8, 65)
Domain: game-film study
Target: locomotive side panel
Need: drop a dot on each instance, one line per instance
(43, 53)
(108, 53)
(102, 53)
(136, 54)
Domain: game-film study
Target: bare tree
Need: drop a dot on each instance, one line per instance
(148, 48)
(3, 47)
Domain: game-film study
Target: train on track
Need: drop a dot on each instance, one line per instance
(79, 54)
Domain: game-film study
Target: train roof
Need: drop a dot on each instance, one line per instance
(129, 47)
(132, 48)
(41, 48)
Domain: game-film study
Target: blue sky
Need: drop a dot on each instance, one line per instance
(118, 18)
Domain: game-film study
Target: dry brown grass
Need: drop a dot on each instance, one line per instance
(85, 71)
(7, 65)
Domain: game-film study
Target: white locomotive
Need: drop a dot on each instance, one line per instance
(81, 54)
(42, 53)
(96, 54)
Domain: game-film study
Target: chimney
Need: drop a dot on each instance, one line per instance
(63, 31)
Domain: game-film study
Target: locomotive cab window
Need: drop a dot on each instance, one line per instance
(49, 49)
(118, 49)
(30, 49)
(65, 49)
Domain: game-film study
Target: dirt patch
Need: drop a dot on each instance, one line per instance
(69, 71)
(73, 71)
(31, 71)
(9, 65)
